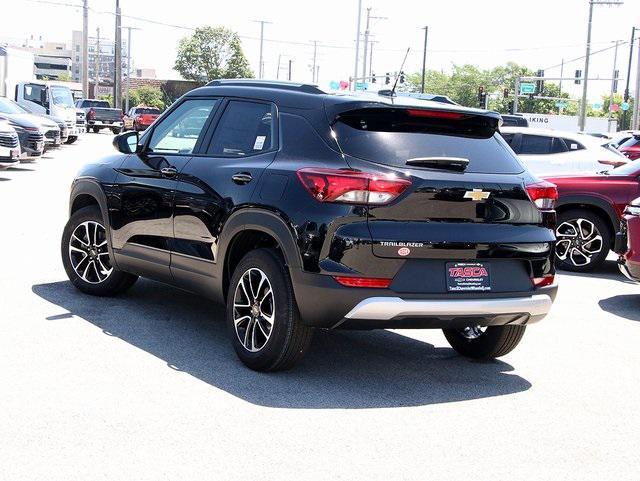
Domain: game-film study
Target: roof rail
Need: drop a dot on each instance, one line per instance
(270, 84)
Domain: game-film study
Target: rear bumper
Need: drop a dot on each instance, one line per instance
(324, 303)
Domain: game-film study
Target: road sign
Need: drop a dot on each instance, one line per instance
(625, 106)
(615, 107)
(361, 86)
(561, 105)
(527, 88)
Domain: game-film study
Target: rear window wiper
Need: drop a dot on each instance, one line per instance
(457, 164)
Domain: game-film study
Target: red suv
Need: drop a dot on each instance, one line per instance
(631, 148)
(629, 250)
(589, 209)
(143, 117)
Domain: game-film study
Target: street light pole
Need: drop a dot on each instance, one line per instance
(636, 110)
(117, 59)
(261, 63)
(626, 88)
(614, 80)
(424, 58)
(583, 103)
(85, 49)
(355, 67)
(366, 45)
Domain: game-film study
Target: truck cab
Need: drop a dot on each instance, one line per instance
(51, 98)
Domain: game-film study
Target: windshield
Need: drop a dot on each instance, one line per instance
(10, 107)
(95, 103)
(630, 168)
(633, 141)
(61, 96)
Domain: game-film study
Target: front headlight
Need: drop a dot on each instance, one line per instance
(632, 210)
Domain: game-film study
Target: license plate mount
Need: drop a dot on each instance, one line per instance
(468, 276)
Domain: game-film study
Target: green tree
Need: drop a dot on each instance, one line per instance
(211, 53)
(64, 77)
(148, 96)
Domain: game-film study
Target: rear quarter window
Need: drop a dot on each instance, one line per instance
(391, 138)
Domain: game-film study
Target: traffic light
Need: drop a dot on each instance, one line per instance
(578, 80)
(505, 93)
(373, 78)
(540, 82)
(616, 73)
(387, 78)
(482, 97)
(401, 77)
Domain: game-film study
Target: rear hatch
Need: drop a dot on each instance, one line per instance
(468, 197)
(147, 116)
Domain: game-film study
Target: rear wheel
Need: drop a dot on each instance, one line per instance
(85, 255)
(479, 342)
(583, 240)
(116, 130)
(96, 130)
(262, 315)
(71, 140)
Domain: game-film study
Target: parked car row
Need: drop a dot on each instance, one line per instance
(100, 115)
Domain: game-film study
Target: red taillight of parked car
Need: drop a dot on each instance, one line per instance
(91, 114)
(351, 187)
(543, 281)
(370, 282)
(543, 194)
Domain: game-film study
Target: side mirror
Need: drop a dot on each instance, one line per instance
(127, 142)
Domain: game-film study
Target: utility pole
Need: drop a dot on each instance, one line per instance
(261, 63)
(366, 45)
(516, 92)
(424, 57)
(95, 90)
(561, 75)
(278, 70)
(85, 49)
(117, 59)
(371, 58)
(626, 88)
(315, 52)
(636, 110)
(583, 103)
(128, 84)
(614, 80)
(290, 62)
(355, 68)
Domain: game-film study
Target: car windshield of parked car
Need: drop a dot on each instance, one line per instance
(391, 137)
(95, 103)
(61, 96)
(9, 107)
(630, 168)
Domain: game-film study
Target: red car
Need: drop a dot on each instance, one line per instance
(629, 261)
(589, 210)
(143, 117)
(631, 148)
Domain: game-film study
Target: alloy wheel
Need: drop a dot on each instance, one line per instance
(88, 252)
(253, 310)
(578, 241)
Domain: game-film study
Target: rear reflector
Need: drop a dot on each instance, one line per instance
(435, 114)
(543, 281)
(543, 194)
(363, 282)
(350, 186)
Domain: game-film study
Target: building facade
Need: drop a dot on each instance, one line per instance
(101, 56)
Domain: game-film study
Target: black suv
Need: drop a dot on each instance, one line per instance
(302, 210)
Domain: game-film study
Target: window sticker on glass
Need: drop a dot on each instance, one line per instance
(574, 146)
(259, 143)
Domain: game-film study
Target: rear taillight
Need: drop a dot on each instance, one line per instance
(543, 194)
(435, 114)
(91, 114)
(121, 115)
(614, 163)
(543, 281)
(370, 282)
(352, 187)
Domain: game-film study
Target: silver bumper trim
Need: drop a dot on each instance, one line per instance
(387, 308)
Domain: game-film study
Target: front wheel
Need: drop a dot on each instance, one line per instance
(116, 130)
(583, 241)
(262, 315)
(96, 130)
(484, 342)
(85, 255)
(71, 140)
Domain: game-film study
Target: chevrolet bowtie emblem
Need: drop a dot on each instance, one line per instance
(476, 194)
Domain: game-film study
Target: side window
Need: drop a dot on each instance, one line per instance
(558, 146)
(573, 145)
(180, 130)
(535, 144)
(246, 128)
(34, 93)
(509, 138)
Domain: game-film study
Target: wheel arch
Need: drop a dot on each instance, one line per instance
(598, 206)
(248, 229)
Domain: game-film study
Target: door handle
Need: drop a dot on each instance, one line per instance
(169, 171)
(242, 178)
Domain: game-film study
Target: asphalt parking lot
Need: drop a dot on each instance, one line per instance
(146, 386)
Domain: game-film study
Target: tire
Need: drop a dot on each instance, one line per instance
(495, 341)
(96, 130)
(116, 131)
(287, 339)
(572, 251)
(71, 140)
(110, 284)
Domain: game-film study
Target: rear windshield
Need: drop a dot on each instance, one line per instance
(393, 136)
(96, 103)
(147, 111)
